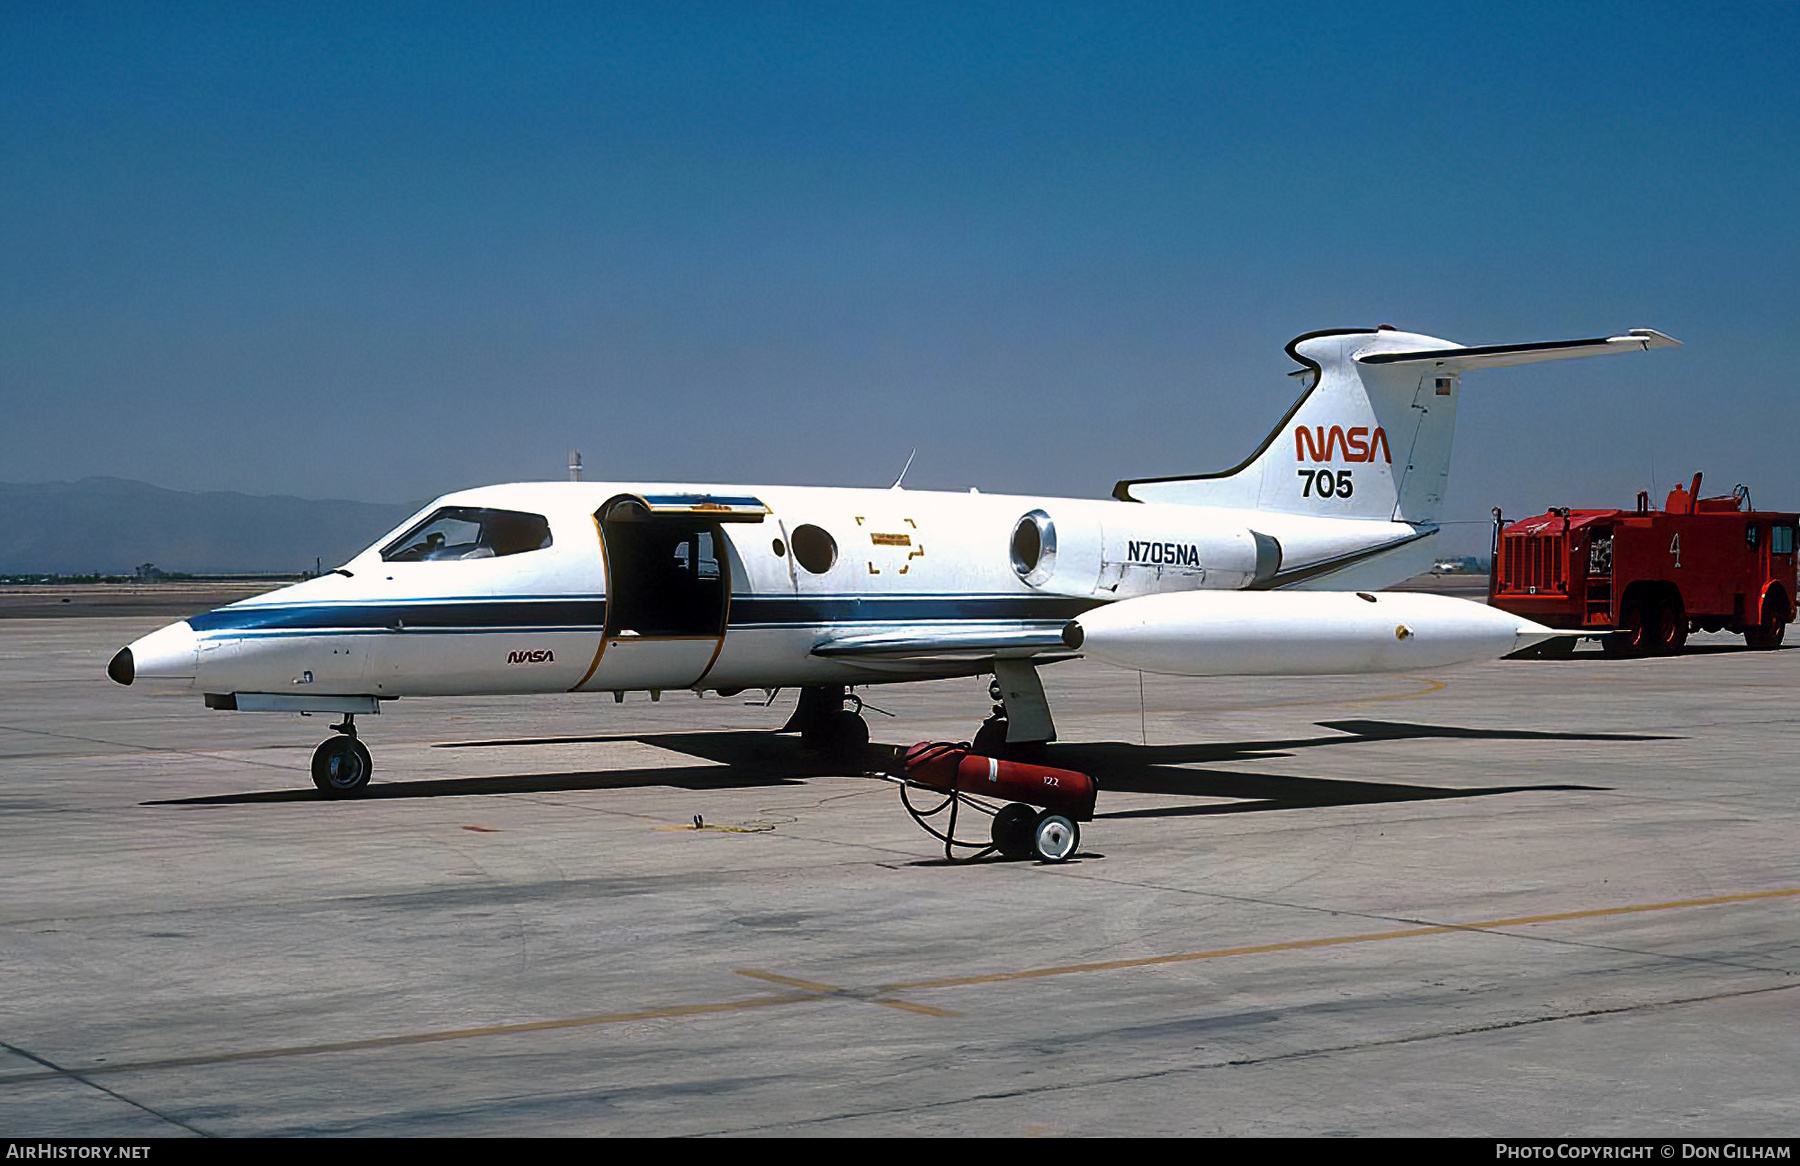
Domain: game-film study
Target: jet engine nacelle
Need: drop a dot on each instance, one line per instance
(1153, 548)
(1297, 633)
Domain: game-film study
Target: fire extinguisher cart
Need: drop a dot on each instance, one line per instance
(1641, 580)
(1043, 803)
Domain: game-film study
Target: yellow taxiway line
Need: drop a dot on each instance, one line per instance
(1328, 941)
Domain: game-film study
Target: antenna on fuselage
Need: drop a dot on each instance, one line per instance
(574, 465)
(904, 468)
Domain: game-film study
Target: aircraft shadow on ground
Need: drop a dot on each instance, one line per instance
(1163, 769)
(1590, 656)
(742, 760)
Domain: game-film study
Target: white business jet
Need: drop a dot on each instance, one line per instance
(1269, 568)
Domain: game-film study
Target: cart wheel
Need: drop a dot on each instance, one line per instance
(1012, 830)
(1054, 837)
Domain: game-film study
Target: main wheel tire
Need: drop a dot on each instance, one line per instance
(1771, 631)
(1012, 830)
(341, 767)
(1670, 628)
(849, 735)
(990, 738)
(840, 734)
(1054, 836)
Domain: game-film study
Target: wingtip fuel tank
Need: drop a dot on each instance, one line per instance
(1292, 633)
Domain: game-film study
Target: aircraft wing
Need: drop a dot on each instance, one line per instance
(1505, 355)
(932, 641)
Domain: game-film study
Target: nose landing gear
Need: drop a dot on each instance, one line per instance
(341, 764)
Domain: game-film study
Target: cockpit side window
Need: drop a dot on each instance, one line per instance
(469, 532)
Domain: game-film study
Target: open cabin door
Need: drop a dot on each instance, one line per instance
(668, 588)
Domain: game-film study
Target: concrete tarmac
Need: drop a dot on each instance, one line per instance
(1520, 898)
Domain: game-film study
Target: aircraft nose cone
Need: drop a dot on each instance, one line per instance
(167, 654)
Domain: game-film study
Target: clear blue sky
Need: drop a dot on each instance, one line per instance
(383, 251)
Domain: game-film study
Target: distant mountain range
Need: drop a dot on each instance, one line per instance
(113, 526)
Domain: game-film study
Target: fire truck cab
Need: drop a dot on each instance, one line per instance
(1642, 579)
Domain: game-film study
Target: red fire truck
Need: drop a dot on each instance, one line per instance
(1649, 577)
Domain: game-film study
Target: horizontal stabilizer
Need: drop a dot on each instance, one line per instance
(1506, 355)
(1370, 436)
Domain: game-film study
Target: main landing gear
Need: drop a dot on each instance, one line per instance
(993, 737)
(827, 725)
(341, 765)
(1019, 725)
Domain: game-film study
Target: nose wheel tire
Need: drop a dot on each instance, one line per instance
(341, 767)
(1054, 837)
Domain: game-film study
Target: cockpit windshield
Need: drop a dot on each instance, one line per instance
(469, 532)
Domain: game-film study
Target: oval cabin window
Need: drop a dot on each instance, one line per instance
(813, 548)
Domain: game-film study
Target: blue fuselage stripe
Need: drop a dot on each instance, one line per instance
(497, 615)
(747, 611)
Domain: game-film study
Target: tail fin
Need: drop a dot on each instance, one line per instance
(1370, 435)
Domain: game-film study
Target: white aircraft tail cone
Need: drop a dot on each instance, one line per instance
(1297, 633)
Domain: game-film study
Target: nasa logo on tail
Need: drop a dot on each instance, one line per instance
(1357, 443)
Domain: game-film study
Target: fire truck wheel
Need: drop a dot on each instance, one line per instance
(1012, 830)
(1634, 630)
(1054, 837)
(1671, 628)
(1772, 629)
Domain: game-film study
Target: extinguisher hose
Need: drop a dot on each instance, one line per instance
(953, 800)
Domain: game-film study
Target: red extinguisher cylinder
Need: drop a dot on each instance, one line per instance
(944, 766)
